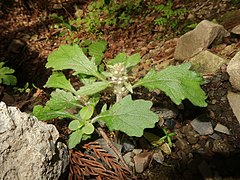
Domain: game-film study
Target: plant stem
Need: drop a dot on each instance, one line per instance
(118, 97)
(94, 119)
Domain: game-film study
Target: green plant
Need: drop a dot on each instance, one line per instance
(235, 2)
(66, 28)
(104, 13)
(63, 22)
(158, 141)
(6, 76)
(169, 16)
(164, 142)
(126, 115)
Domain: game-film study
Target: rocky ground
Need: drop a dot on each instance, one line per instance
(27, 37)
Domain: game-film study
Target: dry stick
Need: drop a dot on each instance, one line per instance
(105, 137)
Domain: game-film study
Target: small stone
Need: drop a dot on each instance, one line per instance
(234, 101)
(214, 136)
(105, 146)
(202, 125)
(170, 123)
(158, 156)
(127, 145)
(142, 161)
(128, 158)
(233, 69)
(236, 30)
(221, 128)
(206, 62)
(136, 151)
(192, 137)
(166, 113)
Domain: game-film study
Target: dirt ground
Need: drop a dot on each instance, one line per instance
(27, 38)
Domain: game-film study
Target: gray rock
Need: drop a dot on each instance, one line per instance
(214, 136)
(198, 39)
(206, 62)
(137, 151)
(128, 158)
(202, 125)
(166, 113)
(158, 156)
(221, 128)
(29, 148)
(234, 101)
(233, 69)
(142, 161)
(236, 30)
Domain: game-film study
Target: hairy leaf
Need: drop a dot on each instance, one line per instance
(75, 124)
(45, 113)
(128, 61)
(75, 138)
(61, 99)
(58, 80)
(130, 117)
(96, 50)
(71, 57)
(87, 112)
(56, 107)
(93, 88)
(178, 82)
(88, 128)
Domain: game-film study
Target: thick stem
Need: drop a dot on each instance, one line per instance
(118, 97)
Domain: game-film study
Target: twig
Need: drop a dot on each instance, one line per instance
(105, 137)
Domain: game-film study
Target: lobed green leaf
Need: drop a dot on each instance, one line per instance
(45, 113)
(58, 80)
(96, 50)
(178, 82)
(71, 57)
(56, 107)
(61, 99)
(130, 117)
(128, 61)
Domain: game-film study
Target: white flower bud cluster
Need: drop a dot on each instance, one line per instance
(118, 78)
